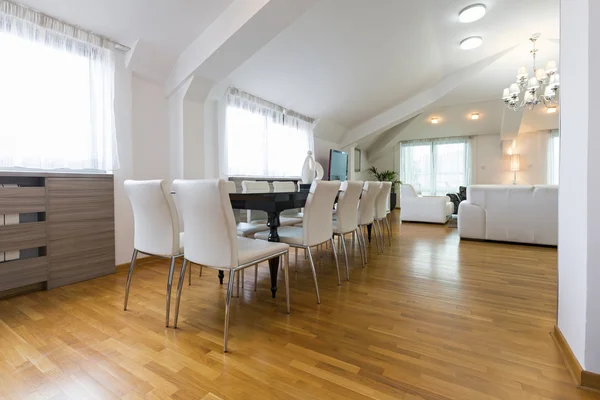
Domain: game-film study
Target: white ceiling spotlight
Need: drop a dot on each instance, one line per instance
(470, 43)
(471, 13)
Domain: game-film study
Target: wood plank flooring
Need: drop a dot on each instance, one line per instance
(432, 318)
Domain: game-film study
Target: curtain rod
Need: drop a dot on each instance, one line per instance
(18, 11)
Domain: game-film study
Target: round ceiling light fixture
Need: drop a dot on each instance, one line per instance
(471, 13)
(470, 43)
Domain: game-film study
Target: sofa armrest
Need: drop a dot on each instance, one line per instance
(471, 221)
(424, 209)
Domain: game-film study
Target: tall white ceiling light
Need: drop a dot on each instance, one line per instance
(471, 13)
(542, 87)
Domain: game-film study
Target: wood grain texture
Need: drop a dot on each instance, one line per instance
(17, 200)
(22, 236)
(81, 241)
(432, 318)
(17, 273)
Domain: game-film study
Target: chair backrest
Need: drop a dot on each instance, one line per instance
(366, 207)
(210, 229)
(317, 221)
(284, 186)
(381, 203)
(347, 205)
(407, 190)
(156, 223)
(256, 187)
(230, 186)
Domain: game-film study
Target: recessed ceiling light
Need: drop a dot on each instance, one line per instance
(470, 43)
(471, 13)
(551, 110)
(435, 120)
(475, 116)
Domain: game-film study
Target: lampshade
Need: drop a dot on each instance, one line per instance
(514, 89)
(540, 74)
(522, 73)
(554, 81)
(529, 98)
(548, 92)
(551, 67)
(533, 84)
(505, 94)
(515, 162)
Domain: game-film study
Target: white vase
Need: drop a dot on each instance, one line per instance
(319, 171)
(308, 169)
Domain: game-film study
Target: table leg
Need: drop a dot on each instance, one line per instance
(369, 231)
(221, 276)
(273, 224)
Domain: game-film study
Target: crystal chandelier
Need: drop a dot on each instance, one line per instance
(542, 87)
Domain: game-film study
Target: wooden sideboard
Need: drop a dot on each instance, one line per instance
(55, 229)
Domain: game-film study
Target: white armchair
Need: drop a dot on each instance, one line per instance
(435, 209)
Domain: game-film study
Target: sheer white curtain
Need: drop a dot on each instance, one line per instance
(553, 158)
(56, 94)
(263, 139)
(436, 167)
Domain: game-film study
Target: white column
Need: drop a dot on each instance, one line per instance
(579, 193)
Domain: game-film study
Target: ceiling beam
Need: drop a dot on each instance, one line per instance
(239, 32)
(413, 105)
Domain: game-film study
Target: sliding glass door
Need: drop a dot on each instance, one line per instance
(435, 167)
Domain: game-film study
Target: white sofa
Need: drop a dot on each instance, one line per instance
(415, 208)
(509, 213)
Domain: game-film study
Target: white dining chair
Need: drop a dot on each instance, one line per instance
(346, 219)
(156, 229)
(287, 187)
(317, 225)
(366, 208)
(380, 212)
(257, 216)
(206, 203)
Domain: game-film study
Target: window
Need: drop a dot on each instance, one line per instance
(262, 140)
(56, 98)
(435, 167)
(553, 158)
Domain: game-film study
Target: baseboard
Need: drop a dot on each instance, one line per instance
(139, 262)
(584, 379)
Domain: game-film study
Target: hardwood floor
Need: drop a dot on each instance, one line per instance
(432, 318)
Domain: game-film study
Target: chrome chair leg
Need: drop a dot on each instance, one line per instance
(286, 272)
(131, 268)
(346, 258)
(243, 279)
(362, 237)
(200, 270)
(190, 276)
(337, 264)
(389, 229)
(169, 286)
(314, 272)
(227, 306)
(238, 284)
(360, 247)
(179, 290)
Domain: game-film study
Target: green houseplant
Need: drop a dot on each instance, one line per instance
(386, 176)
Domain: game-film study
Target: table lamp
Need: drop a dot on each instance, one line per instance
(515, 165)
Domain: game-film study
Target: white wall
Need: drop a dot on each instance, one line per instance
(493, 167)
(579, 194)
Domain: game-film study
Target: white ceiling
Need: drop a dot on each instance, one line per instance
(164, 28)
(348, 60)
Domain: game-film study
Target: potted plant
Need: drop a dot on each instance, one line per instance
(387, 176)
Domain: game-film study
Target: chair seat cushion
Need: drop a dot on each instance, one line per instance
(249, 229)
(250, 250)
(286, 221)
(287, 234)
